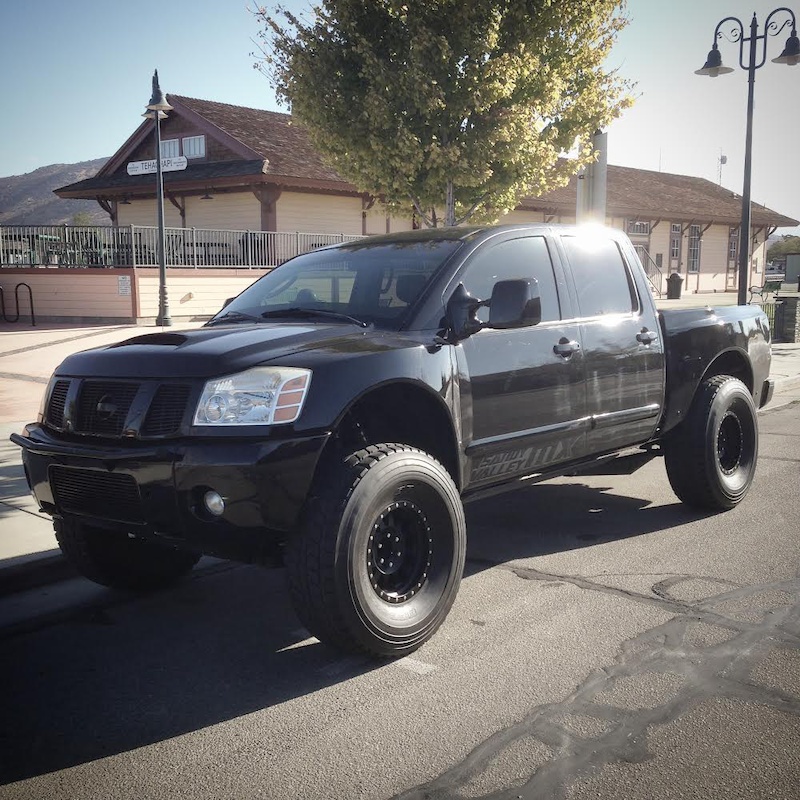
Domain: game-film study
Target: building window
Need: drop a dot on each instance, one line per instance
(169, 148)
(733, 244)
(641, 228)
(694, 248)
(194, 146)
(675, 241)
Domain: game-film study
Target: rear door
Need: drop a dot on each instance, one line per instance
(623, 352)
(523, 403)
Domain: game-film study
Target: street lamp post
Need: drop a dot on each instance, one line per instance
(156, 110)
(714, 67)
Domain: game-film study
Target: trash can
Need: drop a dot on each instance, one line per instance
(674, 286)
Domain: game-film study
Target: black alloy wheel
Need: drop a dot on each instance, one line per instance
(377, 562)
(711, 456)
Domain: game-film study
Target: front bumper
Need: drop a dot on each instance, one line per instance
(157, 490)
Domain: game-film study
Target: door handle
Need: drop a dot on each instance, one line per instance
(566, 348)
(646, 337)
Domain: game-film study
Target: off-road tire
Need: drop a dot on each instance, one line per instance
(711, 456)
(377, 562)
(115, 559)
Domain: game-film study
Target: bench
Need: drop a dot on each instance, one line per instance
(769, 287)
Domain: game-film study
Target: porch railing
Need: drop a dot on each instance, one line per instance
(651, 269)
(137, 246)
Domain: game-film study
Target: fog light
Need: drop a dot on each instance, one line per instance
(214, 503)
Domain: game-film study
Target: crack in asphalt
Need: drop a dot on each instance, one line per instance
(669, 652)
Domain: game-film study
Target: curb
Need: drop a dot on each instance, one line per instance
(33, 572)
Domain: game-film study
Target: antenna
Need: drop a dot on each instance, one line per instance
(721, 162)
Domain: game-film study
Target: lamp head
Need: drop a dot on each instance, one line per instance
(713, 65)
(791, 53)
(158, 101)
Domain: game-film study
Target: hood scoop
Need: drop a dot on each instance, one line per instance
(168, 339)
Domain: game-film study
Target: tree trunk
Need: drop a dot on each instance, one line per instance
(450, 206)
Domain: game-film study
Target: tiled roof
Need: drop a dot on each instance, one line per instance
(275, 136)
(651, 195)
(291, 160)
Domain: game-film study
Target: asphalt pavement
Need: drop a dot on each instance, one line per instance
(29, 555)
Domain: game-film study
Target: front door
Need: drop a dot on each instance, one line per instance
(523, 397)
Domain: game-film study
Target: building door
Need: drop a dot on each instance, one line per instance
(675, 238)
(731, 275)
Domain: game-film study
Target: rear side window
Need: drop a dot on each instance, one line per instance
(602, 280)
(526, 257)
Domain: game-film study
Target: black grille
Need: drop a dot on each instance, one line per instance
(166, 411)
(55, 408)
(103, 406)
(102, 494)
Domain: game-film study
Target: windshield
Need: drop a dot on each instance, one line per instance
(359, 282)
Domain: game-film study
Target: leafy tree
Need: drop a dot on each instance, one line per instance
(788, 244)
(464, 105)
(82, 218)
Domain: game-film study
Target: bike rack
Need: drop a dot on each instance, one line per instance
(16, 300)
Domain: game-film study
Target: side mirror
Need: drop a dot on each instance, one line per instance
(461, 313)
(515, 304)
(227, 302)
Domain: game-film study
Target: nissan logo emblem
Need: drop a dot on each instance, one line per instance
(106, 408)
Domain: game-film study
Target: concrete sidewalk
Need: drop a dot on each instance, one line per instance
(29, 555)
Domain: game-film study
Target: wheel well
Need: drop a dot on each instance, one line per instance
(731, 363)
(402, 413)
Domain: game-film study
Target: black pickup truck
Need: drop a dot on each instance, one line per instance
(336, 413)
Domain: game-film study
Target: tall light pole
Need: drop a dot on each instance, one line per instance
(157, 110)
(755, 60)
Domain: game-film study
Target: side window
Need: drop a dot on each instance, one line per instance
(527, 257)
(602, 280)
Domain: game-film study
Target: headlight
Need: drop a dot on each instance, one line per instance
(259, 396)
(40, 417)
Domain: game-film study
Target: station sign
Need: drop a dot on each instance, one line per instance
(147, 167)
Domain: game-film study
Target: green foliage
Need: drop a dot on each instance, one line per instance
(82, 218)
(788, 244)
(419, 101)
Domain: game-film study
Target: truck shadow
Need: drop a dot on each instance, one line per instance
(129, 671)
(556, 517)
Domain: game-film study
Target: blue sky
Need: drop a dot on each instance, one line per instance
(78, 77)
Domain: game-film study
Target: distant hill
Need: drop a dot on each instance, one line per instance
(29, 200)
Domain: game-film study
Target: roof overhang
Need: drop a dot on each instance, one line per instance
(176, 183)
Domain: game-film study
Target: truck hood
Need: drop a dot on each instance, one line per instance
(218, 350)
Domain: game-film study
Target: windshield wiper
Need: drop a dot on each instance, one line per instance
(234, 316)
(296, 311)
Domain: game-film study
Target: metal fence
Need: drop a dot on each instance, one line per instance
(771, 310)
(137, 246)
